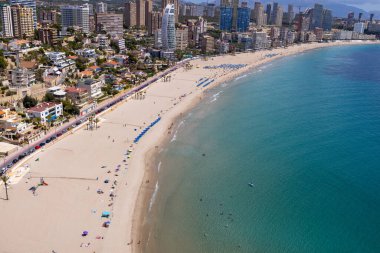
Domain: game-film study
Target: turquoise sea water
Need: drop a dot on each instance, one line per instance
(306, 132)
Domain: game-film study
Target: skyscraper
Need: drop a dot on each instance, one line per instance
(302, 21)
(235, 6)
(327, 20)
(101, 7)
(111, 23)
(316, 16)
(140, 13)
(22, 21)
(75, 16)
(258, 14)
(168, 28)
(360, 16)
(290, 13)
(277, 15)
(225, 3)
(269, 13)
(164, 4)
(130, 14)
(243, 19)
(30, 4)
(148, 11)
(6, 20)
(274, 14)
(350, 19)
(225, 23)
(154, 22)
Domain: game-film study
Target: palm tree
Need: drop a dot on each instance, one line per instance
(96, 123)
(5, 179)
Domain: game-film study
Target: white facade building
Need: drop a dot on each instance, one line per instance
(56, 56)
(87, 53)
(121, 44)
(76, 16)
(158, 38)
(168, 28)
(46, 111)
(103, 41)
(342, 35)
(6, 20)
(22, 78)
(260, 40)
(101, 7)
(359, 28)
(93, 87)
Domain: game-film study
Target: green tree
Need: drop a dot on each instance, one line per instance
(132, 58)
(81, 63)
(131, 43)
(115, 47)
(179, 54)
(29, 101)
(3, 61)
(48, 97)
(100, 61)
(70, 108)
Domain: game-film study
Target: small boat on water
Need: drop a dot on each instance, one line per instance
(251, 184)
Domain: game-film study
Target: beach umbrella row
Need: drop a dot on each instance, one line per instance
(208, 83)
(199, 84)
(226, 66)
(270, 55)
(137, 139)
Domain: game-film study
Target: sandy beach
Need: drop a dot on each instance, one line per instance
(89, 172)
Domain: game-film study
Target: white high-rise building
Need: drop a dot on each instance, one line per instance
(76, 16)
(6, 20)
(359, 28)
(101, 7)
(168, 28)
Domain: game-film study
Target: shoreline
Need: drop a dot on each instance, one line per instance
(84, 154)
(145, 194)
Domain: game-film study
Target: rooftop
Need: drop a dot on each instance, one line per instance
(85, 73)
(43, 106)
(94, 67)
(28, 64)
(75, 90)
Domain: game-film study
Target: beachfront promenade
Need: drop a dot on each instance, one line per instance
(29, 149)
(91, 172)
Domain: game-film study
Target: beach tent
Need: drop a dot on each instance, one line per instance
(105, 214)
